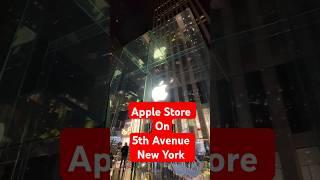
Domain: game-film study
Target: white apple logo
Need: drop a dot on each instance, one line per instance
(159, 93)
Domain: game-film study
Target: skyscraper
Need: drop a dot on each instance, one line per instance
(166, 9)
(192, 86)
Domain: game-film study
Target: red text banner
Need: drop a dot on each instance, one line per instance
(160, 143)
(164, 110)
(242, 154)
(162, 147)
(84, 153)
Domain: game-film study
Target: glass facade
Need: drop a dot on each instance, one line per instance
(50, 79)
(174, 55)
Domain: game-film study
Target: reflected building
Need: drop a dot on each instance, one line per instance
(54, 75)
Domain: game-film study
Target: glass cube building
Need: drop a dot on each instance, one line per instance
(174, 56)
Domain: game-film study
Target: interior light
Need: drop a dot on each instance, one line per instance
(159, 53)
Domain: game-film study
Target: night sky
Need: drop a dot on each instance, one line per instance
(130, 19)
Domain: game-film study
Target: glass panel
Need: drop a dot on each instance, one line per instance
(51, 79)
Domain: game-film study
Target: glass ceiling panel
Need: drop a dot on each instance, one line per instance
(179, 37)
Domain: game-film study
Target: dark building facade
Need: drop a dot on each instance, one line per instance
(265, 64)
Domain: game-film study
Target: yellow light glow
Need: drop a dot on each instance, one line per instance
(159, 53)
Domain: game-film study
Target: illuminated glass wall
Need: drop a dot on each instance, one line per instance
(168, 63)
